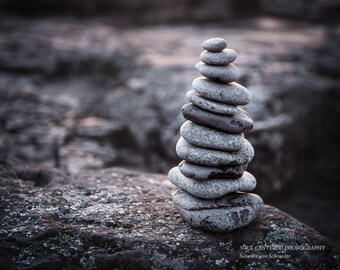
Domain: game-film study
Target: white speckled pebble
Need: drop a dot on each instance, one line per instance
(224, 74)
(214, 188)
(206, 137)
(231, 93)
(220, 215)
(209, 157)
(214, 44)
(210, 105)
(222, 58)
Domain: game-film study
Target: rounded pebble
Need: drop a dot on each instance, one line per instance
(210, 105)
(205, 137)
(199, 172)
(214, 44)
(220, 215)
(235, 124)
(224, 74)
(214, 188)
(222, 58)
(209, 157)
(230, 93)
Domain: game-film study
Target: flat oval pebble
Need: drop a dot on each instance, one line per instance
(211, 189)
(214, 44)
(209, 157)
(221, 215)
(222, 58)
(199, 172)
(236, 124)
(231, 93)
(224, 74)
(210, 105)
(206, 137)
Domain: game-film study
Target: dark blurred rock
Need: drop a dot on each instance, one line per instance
(52, 59)
(148, 12)
(126, 220)
(320, 10)
(30, 127)
(313, 139)
(142, 11)
(86, 154)
(327, 57)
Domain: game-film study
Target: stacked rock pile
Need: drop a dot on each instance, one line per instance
(212, 180)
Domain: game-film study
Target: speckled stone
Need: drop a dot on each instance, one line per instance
(236, 124)
(210, 105)
(214, 188)
(206, 137)
(209, 157)
(221, 215)
(199, 172)
(223, 58)
(231, 93)
(224, 74)
(214, 44)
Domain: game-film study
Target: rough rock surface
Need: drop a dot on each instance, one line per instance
(115, 218)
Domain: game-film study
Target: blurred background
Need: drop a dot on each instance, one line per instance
(91, 84)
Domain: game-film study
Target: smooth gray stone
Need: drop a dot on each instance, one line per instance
(214, 44)
(224, 74)
(220, 215)
(199, 172)
(209, 157)
(222, 58)
(210, 105)
(236, 124)
(214, 188)
(230, 93)
(206, 137)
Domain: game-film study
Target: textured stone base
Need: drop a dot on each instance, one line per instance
(120, 219)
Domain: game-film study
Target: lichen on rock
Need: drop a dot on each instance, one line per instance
(116, 218)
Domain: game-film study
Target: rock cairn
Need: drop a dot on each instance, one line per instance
(212, 180)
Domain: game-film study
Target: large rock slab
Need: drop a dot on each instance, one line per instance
(126, 219)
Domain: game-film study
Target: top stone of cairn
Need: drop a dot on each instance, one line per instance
(215, 44)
